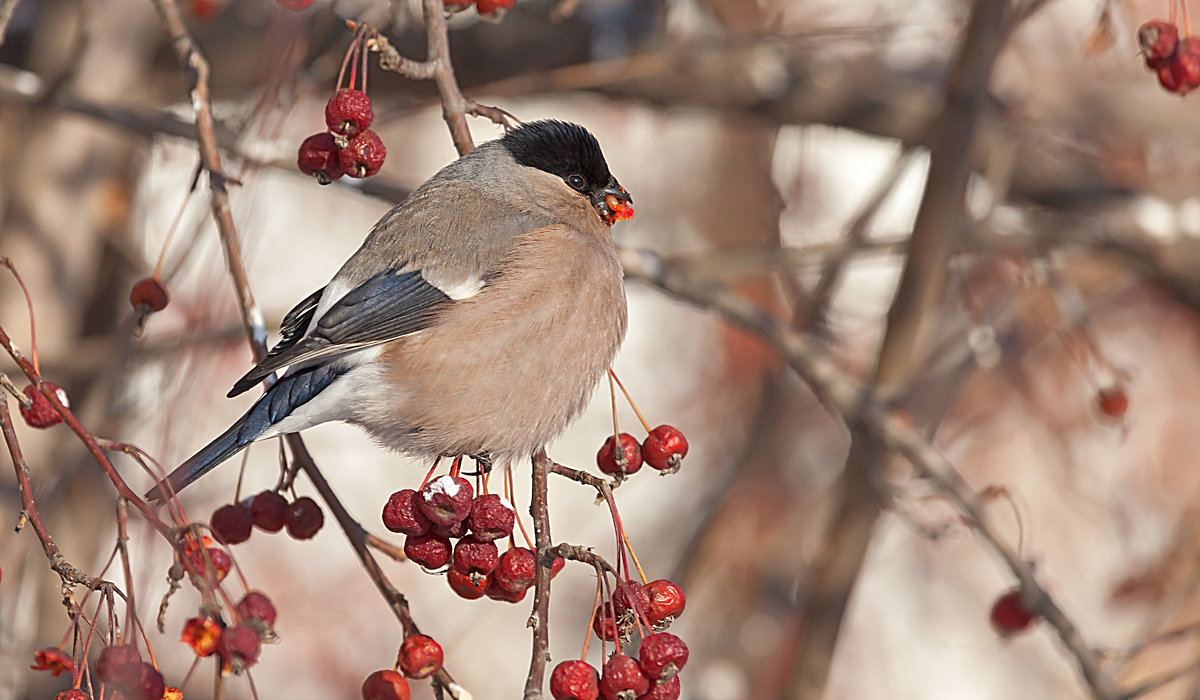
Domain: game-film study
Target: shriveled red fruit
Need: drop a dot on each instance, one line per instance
(42, 414)
(255, 605)
(120, 664)
(239, 647)
(348, 112)
(631, 596)
(663, 691)
(627, 460)
(1181, 73)
(319, 156)
(666, 601)
(1112, 401)
(420, 656)
(150, 685)
(363, 155)
(474, 557)
(603, 624)
(664, 448)
(198, 561)
(232, 524)
(494, 10)
(201, 634)
(1158, 40)
(429, 550)
(72, 694)
(622, 679)
(403, 514)
(294, 5)
(1009, 615)
(491, 518)
(497, 592)
(452, 531)
(574, 680)
(303, 518)
(662, 655)
(148, 295)
(447, 499)
(269, 511)
(516, 569)
(466, 585)
(386, 685)
(54, 660)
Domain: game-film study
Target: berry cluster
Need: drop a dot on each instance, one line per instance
(448, 526)
(348, 147)
(663, 449)
(237, 646)
(270, 512)
(420, 656)
(490, 10)
(1175, 59)
(653, 675)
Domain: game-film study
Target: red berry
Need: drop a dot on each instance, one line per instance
(198, 561)
(1113, 401)
(474, 557)
(1158, 40)
(295, 5)
(256, 606)
(491, 518)
(319, 156)
(516, 569)
(603, 623)
(663, 691)
(1009, 615)
(631, 597)
(420, 656)
(494, 10)
(662, 655)
(348, 112)
(54, 660)
(148, 295)
(447, 500)
(363, 155)
(150, 685)
(452, 6)
(664, 448)
(622, 679)
(467, 586)
(121, 665)
(232, 524)
(303, 518)
(386, 685)
(201, 634)
(42, 413)
(557, 566)
(628, 461)
(429, 550)
(1181, 73)
(269, 511)
(403, 514)
(452, 531)
(574, 680)
(72, 694)
(666, 601)
(239, 647)
(497, 592)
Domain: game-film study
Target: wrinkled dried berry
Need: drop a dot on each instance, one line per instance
(348, 112)
(42, 413)
(430, 551)
(402, 513)
(491, 518)
(363, 155)
(474, 557)
(447, 500)
(420, 656)
(662, 656)
(574, 680)
(385, 685)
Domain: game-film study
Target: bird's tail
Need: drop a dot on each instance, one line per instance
(281, 399)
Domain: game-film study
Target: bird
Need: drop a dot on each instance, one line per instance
(476, 318)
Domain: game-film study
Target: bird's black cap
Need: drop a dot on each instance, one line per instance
(559, 148)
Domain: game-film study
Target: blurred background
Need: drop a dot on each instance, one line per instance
(778, 148)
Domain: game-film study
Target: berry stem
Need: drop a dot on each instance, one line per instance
(162, 254)
(33, 353)
(629, 398)
(1172, 14)
(587, 634)
(436, 462)
(612, 392)
(456, 465)
(636, 563)
(1187, 25)
(511, 493)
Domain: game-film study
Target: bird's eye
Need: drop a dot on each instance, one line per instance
(576, 181)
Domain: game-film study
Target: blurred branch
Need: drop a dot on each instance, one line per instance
(862, 411)
(7, 9)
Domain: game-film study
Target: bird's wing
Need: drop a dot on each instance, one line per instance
(387, 306)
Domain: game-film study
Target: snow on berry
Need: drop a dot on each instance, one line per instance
(420, 656)
(402, 514)
(447, 500)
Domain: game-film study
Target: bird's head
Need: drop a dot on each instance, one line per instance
(570, 152)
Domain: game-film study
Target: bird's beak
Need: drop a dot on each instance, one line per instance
(613, 203)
